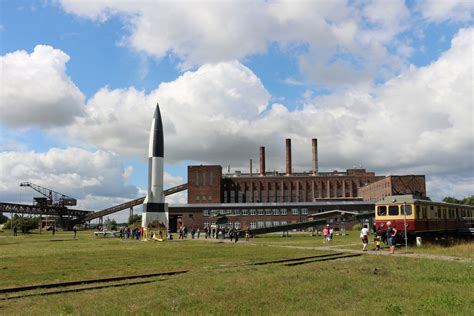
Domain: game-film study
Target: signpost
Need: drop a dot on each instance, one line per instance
(405, 225)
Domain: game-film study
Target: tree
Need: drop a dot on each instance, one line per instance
(468, 200)
(135, 219)
(23, 224)
(450, 199)
(111, 224)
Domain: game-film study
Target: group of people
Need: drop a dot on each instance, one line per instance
(379, 236)
(213, 232)
(134, 233)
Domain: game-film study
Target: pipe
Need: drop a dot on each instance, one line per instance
(262, 161)
(251, 173)
(288, 157)
(315, 156)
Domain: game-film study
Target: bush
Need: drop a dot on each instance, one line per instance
(3, 218)
(357, 227)
(23, 224)
(111, 224)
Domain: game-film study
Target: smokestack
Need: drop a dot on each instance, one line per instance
(315, 156)
(262, 160)
(288, 157)
(251, 173)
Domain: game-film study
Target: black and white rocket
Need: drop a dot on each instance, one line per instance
(155, 210)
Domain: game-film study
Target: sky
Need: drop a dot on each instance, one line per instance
(386, 85)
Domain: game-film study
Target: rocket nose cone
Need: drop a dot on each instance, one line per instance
(156, 140)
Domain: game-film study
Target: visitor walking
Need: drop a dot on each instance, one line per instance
(364, 236)
(75, 232)
(391, 233)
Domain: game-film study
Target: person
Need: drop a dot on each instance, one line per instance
(391, 233)
(193, 233)
(247, 235)
(15, 231)
(236, 235)
(54, 230)
(198, 232)
(75, 231)
(331, 233)
(378, 240)
(364, 236)
(326, 233)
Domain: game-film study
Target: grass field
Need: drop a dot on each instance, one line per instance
(219, 283)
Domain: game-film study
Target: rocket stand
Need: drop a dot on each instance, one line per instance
(155, 225)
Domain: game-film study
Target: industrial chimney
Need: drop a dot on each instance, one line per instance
(288, 157)
(251, 172)
(315, 156)
(262, 160)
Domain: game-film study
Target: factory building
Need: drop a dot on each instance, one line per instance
(207, 184)
(269, 198)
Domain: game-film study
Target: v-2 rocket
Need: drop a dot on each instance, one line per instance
(155, 210)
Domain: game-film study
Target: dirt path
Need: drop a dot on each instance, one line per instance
(399, 253)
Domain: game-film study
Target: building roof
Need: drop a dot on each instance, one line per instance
(277, 204)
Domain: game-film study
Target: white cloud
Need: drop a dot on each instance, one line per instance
(35, 89)
(200, 109)
(341, 42)
(440, 187)
(419, 122)
(87, 176)
(452, 10)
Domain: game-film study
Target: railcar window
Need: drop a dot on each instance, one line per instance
(381, 210)
(408, 209)
(393, 210)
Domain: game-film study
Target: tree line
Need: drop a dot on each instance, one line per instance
(467, 200)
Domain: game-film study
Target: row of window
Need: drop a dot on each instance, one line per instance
(423, 212)
(253, 225)
(245, 212)
(203, 176)
(203, 198)
(394, 210)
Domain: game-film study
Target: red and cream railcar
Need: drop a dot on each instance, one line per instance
(423, 216)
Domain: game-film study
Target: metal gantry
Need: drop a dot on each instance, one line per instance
(53, 198)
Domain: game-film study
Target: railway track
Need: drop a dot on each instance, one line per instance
(77, 286)
(140, 279)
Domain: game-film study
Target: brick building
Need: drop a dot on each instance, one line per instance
(271, 198)
(207, 184)
(394, 185)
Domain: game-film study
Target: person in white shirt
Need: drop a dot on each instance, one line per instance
(364, 236)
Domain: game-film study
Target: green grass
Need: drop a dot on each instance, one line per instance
(217, 284)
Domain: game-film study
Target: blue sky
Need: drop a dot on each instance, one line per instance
(232, 76)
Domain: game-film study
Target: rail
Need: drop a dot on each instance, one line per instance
(127, 205)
